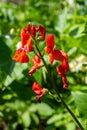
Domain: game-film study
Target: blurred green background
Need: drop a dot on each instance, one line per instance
(19, 110)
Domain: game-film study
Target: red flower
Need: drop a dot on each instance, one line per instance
(42, 31)
(24, 37)
(33, 31)
(36, 64)
(20, 56)
(64, 67)
(49, 43)
(36, 60)
(58, 55)
(28, 47)
(38, 90)
(28, 28)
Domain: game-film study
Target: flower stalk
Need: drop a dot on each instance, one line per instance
(29, 43)
(56, 90)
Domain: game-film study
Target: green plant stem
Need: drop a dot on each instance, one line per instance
(65, 105)
(56, 89)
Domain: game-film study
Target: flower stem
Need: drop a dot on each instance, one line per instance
(56, 90)
(65, 105)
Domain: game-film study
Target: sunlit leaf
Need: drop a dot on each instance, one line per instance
(44, 110)
(81, 101)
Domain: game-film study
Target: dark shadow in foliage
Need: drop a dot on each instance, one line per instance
(5, 56)
(5, 60)
(24, 92)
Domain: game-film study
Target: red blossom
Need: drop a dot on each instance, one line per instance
(58, 55)
(36, 60)
(32, 70)
(28, 47)
(36, 64)
(33, 31)
(64, 67)
(20, 56)
(49, 43)
(42, 31)
(38, 90)
(24, 37)
(28, 28)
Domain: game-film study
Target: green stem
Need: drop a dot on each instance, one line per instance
(56, 89)
(63, 102)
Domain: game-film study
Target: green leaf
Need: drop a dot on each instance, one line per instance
(74, 31)
(71, 125)
(38, 76)
(35, 118)
(83, 45)
(44, 110)
(26, 120)
(77, 30)
(81, 103)
(62, 25)
(55, 118)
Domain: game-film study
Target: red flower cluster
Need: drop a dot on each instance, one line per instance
(27, 34)
(57, 55)
(38, 90)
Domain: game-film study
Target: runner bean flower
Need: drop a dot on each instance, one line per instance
(27, 35)
(36, 64)
(21, 56)
(38, 90)
(30, 36)
(57, 55)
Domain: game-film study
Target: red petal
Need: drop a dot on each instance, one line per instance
(65, 66)
(28, 28)
(32, 70)
(37, 88)
(42, 31)
(36, 60)
(59, 55)
(65, 83)
(49, 43)
(51, 58)
(28, 47)
(24, 37)
(20, 56)
(33, 30)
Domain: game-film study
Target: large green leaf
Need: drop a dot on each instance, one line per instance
(62, 25)
(81, 103)
(44, 110)
(26, 120)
